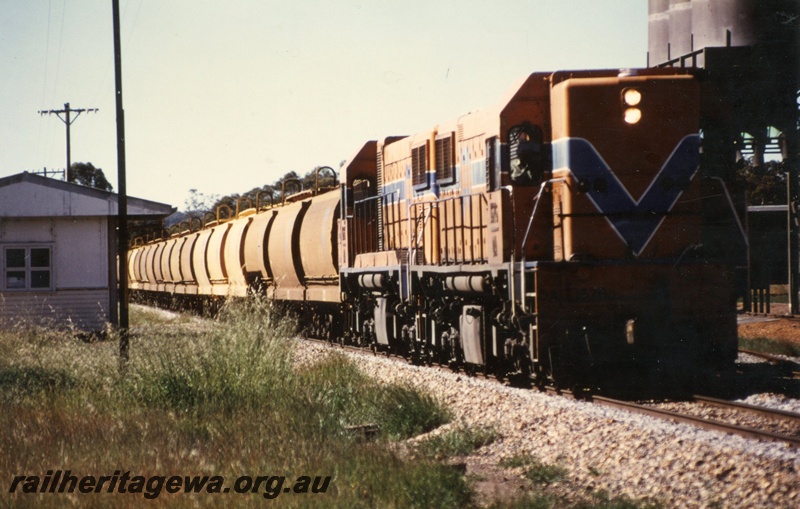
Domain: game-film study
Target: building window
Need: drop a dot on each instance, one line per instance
(445, 160)
(419, 166)
(27, 268)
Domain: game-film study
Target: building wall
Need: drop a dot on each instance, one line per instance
(84, 309)
(79, 293)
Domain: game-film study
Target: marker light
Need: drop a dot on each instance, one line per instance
(632, 97)
(633, 115)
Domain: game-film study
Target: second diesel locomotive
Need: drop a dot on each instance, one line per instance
(566, 233)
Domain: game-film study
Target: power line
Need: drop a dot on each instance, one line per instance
(46, 173)
(68, 122)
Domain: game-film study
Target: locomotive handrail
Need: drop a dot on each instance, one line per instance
(483, 200)
(682, 59)
(414, 239)
(742, 231)
(362, 238)
(368, 198)
(239, 200)
(429, 206)
(542, 187)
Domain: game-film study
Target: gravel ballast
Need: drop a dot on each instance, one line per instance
(601, 449)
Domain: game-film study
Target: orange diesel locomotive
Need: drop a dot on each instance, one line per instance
(565, 234)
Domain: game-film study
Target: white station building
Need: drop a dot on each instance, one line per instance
(58, 251)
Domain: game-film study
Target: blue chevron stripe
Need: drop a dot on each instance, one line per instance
(634, 221)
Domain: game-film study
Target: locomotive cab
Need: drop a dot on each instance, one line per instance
(628, 211)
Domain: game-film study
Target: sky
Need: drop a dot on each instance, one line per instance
(223, 97)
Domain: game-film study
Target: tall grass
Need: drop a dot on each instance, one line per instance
(217, 398)
(345, 397)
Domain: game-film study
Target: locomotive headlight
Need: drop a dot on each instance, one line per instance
(632, 97)
(633, 115)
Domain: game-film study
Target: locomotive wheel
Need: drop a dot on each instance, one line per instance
(454, 366)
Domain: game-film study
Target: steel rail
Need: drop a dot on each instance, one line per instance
(709, 424)
(766, 356)
(768, 412)
(773, 359)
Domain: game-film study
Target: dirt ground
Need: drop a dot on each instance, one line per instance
(781, 329)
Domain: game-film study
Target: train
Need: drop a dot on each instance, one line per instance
(568, 234)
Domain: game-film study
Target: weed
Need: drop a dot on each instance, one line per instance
(770, 346)
(529, 501)
(403, 412)
(535, 470)
(460, 441)
(222, 399)
(602, 500)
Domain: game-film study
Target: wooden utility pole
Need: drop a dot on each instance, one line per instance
(122, 208)
(68, 122)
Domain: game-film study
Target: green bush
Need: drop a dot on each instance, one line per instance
(403, 412)
(535, 470)
(211, 396)
(460, 441)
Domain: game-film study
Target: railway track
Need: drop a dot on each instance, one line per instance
(709, 423)
(775, 425)
(775, 360)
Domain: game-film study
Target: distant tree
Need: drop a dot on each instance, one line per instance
(261, 195)
(175, 218)
(266, 194)
(292, 175)
(228, 200)
(199, 203)
(86, 174)
(766, 184)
